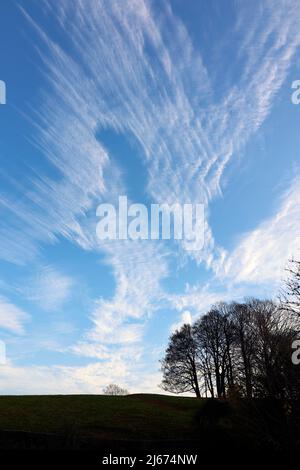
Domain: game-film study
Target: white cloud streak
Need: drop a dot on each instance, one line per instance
(262, 254)
(135, 74)
(187, 145)
(12, 318)
(48, 289)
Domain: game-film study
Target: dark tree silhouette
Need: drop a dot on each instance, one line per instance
(179, 367)
(244, 345)
(214, 339)
(290, 296)
(274, 334)
(235, 346)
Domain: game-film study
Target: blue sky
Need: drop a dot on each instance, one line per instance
(176, 101)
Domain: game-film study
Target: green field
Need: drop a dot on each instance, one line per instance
(130, 417)
(145, 421)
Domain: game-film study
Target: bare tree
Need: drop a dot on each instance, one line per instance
(114, 390)
(214, 339)
(179, 367)
(244, 346)
(225, 310)
(207, 377)
(290, 296)
(274, 334)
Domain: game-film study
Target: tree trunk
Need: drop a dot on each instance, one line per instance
(197, 389)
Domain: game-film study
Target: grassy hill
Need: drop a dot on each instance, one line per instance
(130, 417)
(145, 422)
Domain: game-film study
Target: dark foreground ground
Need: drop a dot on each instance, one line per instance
(145, 424)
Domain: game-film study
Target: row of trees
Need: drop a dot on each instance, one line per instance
(238, 346)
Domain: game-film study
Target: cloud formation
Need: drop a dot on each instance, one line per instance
(48, 289)
(262, 255)
(127, 67)
(12, 318)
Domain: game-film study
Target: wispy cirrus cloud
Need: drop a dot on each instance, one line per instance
(12, 318)
(197, 299)
(49, 289)
(139, 267)
(125, 67)
(262, 254)
(203, 133)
